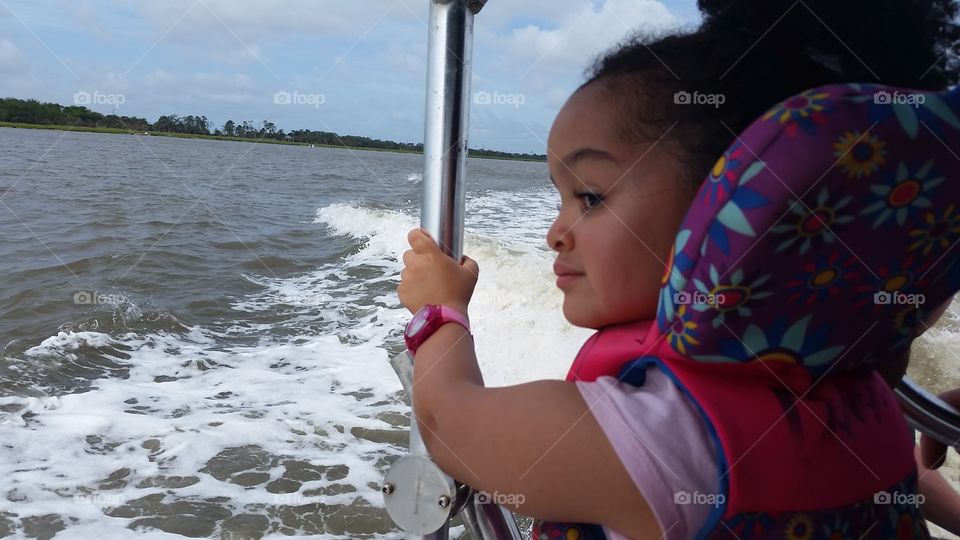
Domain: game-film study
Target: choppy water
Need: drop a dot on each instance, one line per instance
(194, 334)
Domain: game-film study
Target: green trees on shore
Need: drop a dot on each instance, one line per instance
(31, 111)
(194, 125)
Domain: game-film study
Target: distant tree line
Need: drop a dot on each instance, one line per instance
(31, 111)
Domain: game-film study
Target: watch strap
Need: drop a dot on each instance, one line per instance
(448, 314)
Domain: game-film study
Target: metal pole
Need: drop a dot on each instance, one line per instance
(486, 520)
(929, 414)
(449, 65)
(418, 495)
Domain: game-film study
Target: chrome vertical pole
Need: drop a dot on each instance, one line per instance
(419, 497)
(449, 65)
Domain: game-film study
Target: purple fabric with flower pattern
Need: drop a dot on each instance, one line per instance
(824, 235)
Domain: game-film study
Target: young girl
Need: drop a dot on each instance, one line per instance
(634, 455)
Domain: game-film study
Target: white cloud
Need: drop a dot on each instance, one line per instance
(587, 33)
(235, 88)
(544, 59)
(498, 14)
(193, 21)
(11, 59)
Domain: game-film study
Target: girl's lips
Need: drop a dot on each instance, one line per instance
(565, 274)
(565, 280)
(563, 270)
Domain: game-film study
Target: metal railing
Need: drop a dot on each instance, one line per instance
(929, 414)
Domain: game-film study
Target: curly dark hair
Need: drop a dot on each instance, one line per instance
(756, 53)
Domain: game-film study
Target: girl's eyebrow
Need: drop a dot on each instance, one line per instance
(588, 153)
(581, 154)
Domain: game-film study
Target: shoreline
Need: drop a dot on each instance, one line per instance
(118, 131)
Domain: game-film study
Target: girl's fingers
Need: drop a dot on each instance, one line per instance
(412, 237)
(421, 242)
(471, 265)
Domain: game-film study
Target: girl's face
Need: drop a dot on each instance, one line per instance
(621, 204)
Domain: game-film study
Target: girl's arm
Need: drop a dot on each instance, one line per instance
(941, 504)
(535, 446)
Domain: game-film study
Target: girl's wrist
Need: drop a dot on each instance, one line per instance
(429, 319)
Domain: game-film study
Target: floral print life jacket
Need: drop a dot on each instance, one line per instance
(811, 255)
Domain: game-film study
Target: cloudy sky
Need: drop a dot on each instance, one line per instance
(351, 66)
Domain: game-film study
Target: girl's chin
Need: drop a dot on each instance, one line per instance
(581, 318)
(585, 318)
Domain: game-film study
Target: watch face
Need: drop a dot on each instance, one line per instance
(416, 324)
(425, 322)
(419, 320)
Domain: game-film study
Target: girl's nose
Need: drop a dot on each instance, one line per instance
(558, 236)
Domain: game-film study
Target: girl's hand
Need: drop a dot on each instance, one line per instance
(431, 277)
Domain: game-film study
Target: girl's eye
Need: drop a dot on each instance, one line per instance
(589, 200)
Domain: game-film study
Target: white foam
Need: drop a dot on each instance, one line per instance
(935, 355)
(61, 344)
(279, 397)
(935, 365)
(384, 232)
(515, 306)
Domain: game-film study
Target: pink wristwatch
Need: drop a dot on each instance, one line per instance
(427, 320)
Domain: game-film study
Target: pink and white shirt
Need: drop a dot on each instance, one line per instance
(663, 443)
